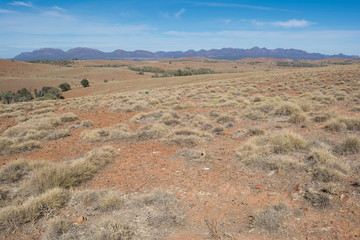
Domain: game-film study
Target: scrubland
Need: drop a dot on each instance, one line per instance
(253, 155)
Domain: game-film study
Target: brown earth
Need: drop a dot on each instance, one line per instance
(219, 189)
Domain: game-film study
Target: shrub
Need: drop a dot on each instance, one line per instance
(7, 97)
(85, 83)
(48, 93)
(23, 95)
(64, 87)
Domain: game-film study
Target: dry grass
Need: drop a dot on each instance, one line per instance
(12, 217)
(69, 174)
(150, 131)
(166, 116)
(17, 170)
(271, 219)
(350, 145)
(194, 155)
(68, 117)
(116, 133)
(286, 109)
(25, 135)
(151, 215)
(297, 118)
(8, 146)
(270, 151)
(342, 124)
(324, 157)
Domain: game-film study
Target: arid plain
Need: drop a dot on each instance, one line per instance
(255, 150)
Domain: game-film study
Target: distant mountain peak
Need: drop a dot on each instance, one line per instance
(84, 53)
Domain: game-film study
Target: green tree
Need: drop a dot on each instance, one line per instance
(23, 95)
(48, 93)
(85, 83)
(64, 87)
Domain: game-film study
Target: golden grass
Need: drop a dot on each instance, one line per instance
(69, 174)
(257, 152)
(118, 132)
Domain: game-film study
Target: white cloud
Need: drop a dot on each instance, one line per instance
(232, 5)
(24, 4)
(226, 21)
(58, 8)
(294, 23)
(164, 15)
(179, 13)
(257, 23)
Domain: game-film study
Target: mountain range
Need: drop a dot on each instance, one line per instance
(224, 53)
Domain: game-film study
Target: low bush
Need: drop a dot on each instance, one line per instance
(64, 87)
(23, 95)
(48, 93)
(85, 83)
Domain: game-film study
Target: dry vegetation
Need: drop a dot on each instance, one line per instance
(265, 152)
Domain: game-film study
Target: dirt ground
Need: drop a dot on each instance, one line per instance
(221, 196)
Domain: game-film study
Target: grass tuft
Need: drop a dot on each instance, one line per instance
(350, 145)
(12, 217)
(69, 174)
(271, 219)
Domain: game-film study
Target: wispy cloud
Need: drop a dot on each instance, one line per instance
(24, 4)
(266, 35)
(58, 8)
(293, 23)
(226, 21)
(179, 13)
(232, 5)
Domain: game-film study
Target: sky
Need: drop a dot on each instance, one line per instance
(326, 26)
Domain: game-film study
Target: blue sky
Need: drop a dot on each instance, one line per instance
(326, 26)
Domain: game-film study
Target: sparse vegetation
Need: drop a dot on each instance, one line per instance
(60, 62)
(219, 143)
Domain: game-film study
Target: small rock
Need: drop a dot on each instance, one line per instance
(80, 220)
(295, 196)
(271, 173)
(258, 186)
